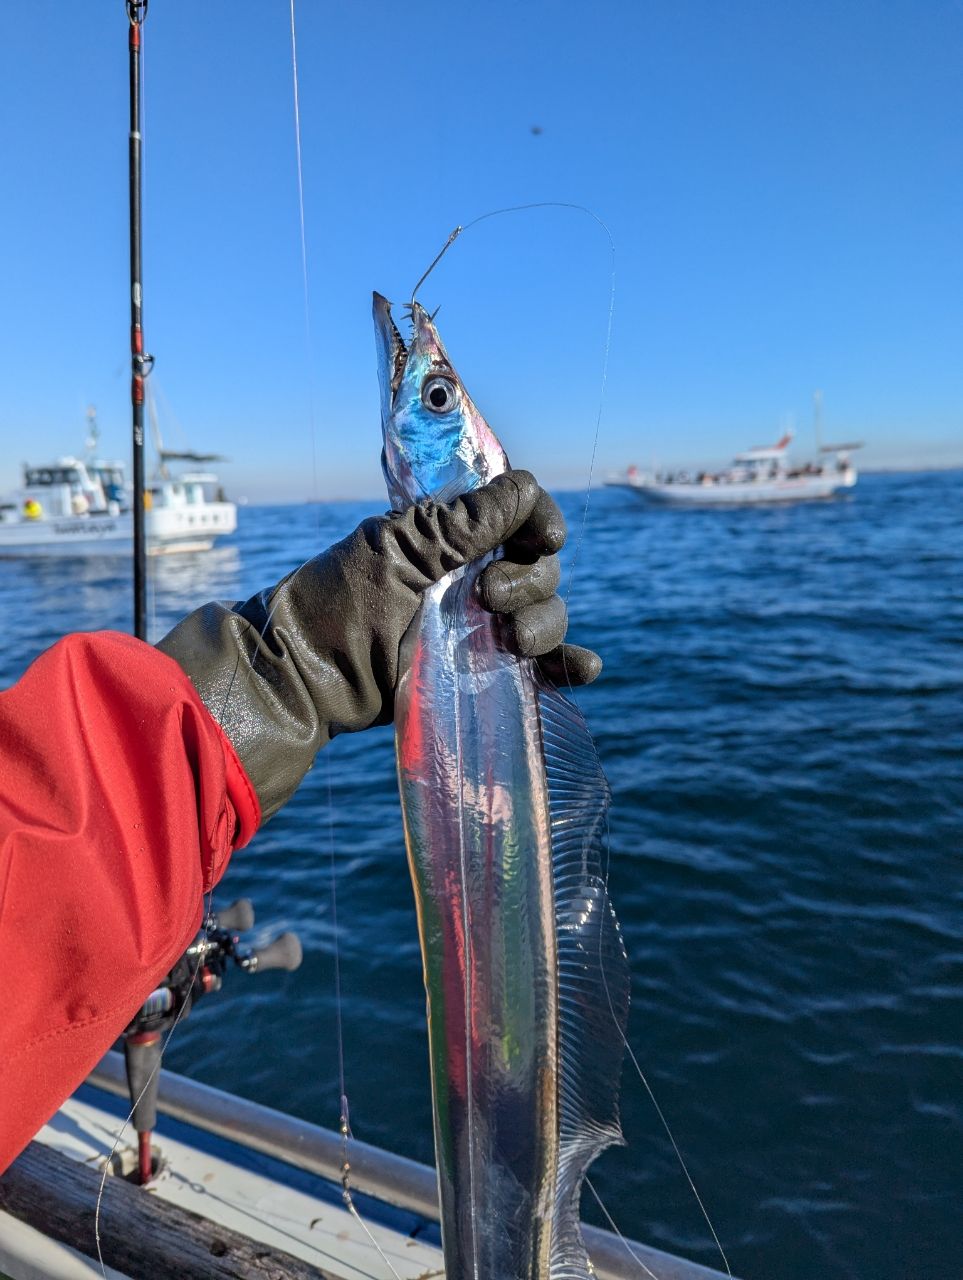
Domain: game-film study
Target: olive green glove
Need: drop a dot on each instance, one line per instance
(317, 654)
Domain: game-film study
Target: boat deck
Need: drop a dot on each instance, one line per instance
(258, 1176)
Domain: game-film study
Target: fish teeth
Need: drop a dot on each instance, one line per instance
(399, 354)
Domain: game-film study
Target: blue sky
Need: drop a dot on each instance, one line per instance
(784, 183)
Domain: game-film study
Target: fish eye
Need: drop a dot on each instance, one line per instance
(440, 395)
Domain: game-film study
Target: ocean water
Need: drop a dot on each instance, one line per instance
(781, 719)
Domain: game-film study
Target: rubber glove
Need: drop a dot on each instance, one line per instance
(317, 655)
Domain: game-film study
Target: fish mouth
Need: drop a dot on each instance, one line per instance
(392, 350)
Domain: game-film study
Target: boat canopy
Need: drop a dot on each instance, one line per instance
(765, 453)
(174, 455)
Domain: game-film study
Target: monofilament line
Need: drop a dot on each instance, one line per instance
(130, 1115)
(579, 208)
(455, 234)
(648, 1088)
(665, 1124)
(304, 254)
(220, 715)
(209, 907)
(344, 1123)
(616, 1232)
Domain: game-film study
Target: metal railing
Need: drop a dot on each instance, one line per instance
(390, 1178)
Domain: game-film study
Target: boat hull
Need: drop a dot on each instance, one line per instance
(171, 530)
(757, 493)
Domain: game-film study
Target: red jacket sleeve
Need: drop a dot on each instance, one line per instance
(120, 804)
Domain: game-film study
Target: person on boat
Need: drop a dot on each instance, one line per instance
(131, 772)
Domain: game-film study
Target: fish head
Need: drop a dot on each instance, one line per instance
(436, 443)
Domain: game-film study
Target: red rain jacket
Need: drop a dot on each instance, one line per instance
(121, 802)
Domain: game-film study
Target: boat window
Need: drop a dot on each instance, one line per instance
(51, 475)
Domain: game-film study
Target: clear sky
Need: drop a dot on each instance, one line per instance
(784, 183)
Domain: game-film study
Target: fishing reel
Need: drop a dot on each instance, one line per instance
(199, 972)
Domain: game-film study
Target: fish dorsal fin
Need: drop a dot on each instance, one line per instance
(593, 971)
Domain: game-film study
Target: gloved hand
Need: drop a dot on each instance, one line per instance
(317, 654)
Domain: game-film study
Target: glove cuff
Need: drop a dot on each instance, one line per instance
(256, 695)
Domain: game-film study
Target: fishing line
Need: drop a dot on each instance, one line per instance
(648, 1088)
(579, 208)
(209, 907)
(219, 718)
(344, 1121)
(455, 234)
(468, 987)
(118, 1137)
(309, 346)
(130, 1115)
(148, 389)
(616, 1232)
(665, 1124)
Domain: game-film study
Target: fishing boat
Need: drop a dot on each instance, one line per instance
(83, 506)
(761, 475)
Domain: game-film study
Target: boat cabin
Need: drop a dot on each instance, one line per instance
(761, 463)
(192, 489)
(69, 487)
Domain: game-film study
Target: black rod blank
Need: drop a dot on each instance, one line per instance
(140, 361)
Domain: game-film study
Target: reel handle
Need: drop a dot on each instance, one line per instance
(237, 917)
(284, 952)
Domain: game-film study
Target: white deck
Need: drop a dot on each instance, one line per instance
(257, 1187)
(318, 1231)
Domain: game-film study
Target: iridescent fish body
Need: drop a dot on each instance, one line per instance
(504, 811)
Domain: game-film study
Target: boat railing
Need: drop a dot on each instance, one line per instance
(390, 1178)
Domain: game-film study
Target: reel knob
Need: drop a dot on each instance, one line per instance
(237, 917)
(284, 952)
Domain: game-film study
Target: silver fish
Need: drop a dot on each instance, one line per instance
(504, 807)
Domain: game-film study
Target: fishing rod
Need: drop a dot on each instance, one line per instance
(199, 972)
(141, 362)
(201, 969)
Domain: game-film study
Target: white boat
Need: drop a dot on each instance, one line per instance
(81, 506)
(760, 475)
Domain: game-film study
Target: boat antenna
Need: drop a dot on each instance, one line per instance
(93, 431)
(818, 419)
(141, 362)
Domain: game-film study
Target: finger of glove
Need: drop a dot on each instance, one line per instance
(507, 587)
(487, 517)
(542, 534)
(536, 629)
(570, 665)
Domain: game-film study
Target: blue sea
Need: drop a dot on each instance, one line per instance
(781, 720)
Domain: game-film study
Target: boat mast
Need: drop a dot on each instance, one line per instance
(818, 419)
(141, 362)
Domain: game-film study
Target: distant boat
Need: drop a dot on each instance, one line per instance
(82, 506)
(75, 507)
(760, 475)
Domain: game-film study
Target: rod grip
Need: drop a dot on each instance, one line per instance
(143, 1058)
